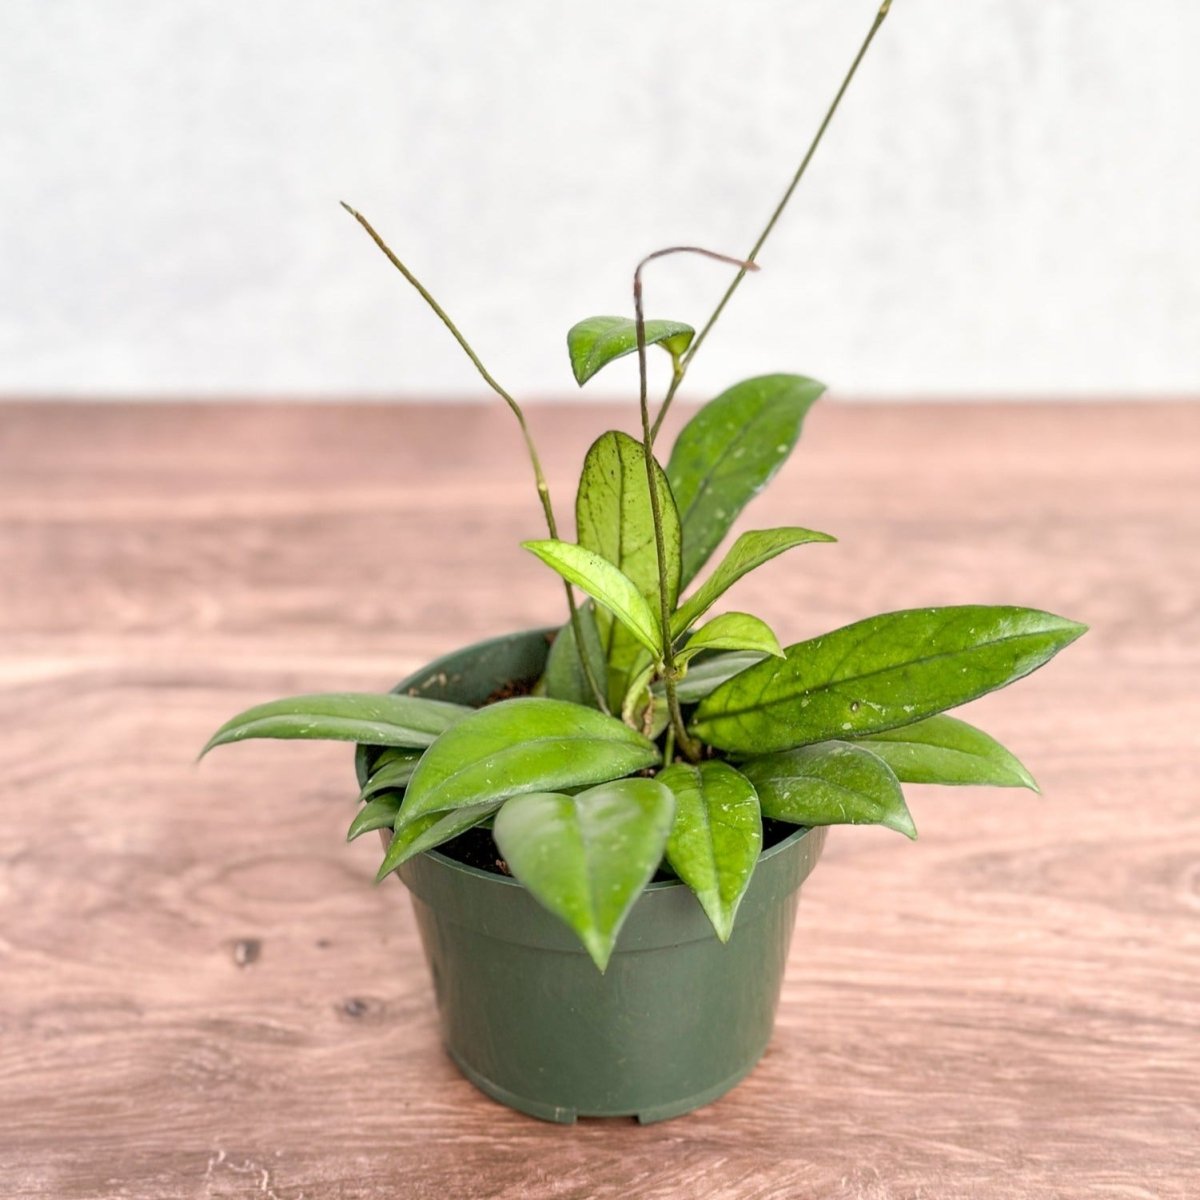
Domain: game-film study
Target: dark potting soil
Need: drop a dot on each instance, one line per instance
(477, 848)
(523, 687)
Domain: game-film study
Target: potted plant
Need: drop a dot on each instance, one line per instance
(604, 827)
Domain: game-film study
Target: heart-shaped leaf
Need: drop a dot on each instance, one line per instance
(364, 717)
(390, 771)
(948, 751)
(613, 518)
(716, 836)
(606, 585)
(596, 341)
(429, 832)
(587, 857)
(524, 745)
(379, 813)
(729, 451)
(563, 678)
(834, 783)
(881, 673)
(732, 631)
(750, 550)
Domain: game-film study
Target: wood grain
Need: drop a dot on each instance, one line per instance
(201, 995)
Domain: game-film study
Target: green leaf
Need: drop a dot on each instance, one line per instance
(393, 754)
(429, 832)
(595, 342)
(368, 718)
(732, 631)
(523, 745)
(639, 698)
(391, 773)
(700, 677)
(706, 674)
(587, 857)
(881, 673)
(605, 584)
(729, 451)
(750, 550)
(716, 836)
(563, 678)
(834, 783)
(613, 519)
(948, 751)
(380, 813)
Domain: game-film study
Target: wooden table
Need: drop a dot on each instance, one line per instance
(202, 995)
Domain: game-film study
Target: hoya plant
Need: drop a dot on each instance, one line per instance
(664, 730)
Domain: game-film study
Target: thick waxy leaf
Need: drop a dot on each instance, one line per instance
(523, 745)
(595, 342)
(613, 518)
(391, 773)
(379, 813)
(429, 832)
(750, 550)
(732, 631)
(716, 836)
(707, 674)
(834, 783)
(606, 585)
(729, 451)
(879, 674)
(946, 750)
(563, 678)
(368, 718)
(588, 857)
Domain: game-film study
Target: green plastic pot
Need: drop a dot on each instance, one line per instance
(678, 1018)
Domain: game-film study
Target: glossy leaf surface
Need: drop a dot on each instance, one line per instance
(563, 678)
(366, 717)
(606, 584)
(523, 745)
(613, 519)
(716, 836)
(379, 813)
(732, 631)
(729, 451)
(879, 674)
(391, 772)
(834, 783)
(946, 750)
(750, 550)
(595, 342)
(587, 857)
(430, 831)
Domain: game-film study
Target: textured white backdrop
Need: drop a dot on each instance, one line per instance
(1009, 202)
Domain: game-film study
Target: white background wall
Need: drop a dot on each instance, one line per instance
(1009, 202)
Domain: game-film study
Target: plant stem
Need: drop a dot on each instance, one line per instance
(690, 748)
(543, 488)
(685, 360)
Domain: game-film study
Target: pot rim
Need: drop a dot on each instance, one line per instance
(444, 860)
